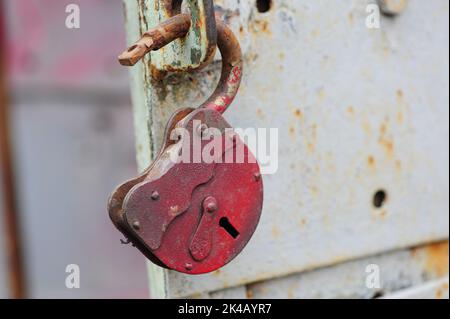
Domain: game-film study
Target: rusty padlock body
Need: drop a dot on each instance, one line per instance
(195, 217)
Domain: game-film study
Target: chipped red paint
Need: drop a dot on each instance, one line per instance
(232, 65)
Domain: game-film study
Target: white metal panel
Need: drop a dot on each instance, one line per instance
(437, 289)
(357, 110)
(230, 293)
(398, 270)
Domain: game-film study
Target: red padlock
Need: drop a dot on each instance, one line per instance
(194, 216)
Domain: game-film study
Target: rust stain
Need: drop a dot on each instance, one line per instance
(441, 290)
(302, 222)
(275, 232)
(311, 147)
(314, 131)
(371, 161)
(260, 26)
(315, 33)
(312, 134)
(399, 95)
(351, 110)
(383, 129)
(388, 146)
(385, 141)
(399, 117)
(156, 74)
(379, 214)
(351, 17)
(437, 258)
(260, 114)
(314, 191)
(292, 131)
(249, 293)
(398, 165)
(401, 103)
(292, 290)
(366, 127)
(251, 288)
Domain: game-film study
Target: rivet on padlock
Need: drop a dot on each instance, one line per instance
(195, 217)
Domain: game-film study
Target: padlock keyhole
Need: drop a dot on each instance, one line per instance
(229, 228)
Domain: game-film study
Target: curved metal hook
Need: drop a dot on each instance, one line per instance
(232, 65)
(177, 26)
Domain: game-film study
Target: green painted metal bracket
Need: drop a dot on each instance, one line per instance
(192, 52)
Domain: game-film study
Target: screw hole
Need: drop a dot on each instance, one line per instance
(379, 198)
(225, 224)
(134, 46)
(263, 5)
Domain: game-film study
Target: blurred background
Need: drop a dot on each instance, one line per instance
(68, 100)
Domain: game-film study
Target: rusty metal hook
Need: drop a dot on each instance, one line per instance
(156, 38)
(227, 43)
(232, 65)
(199, 24)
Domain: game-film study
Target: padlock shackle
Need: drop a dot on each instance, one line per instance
(232, 65)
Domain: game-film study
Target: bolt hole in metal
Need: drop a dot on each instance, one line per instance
(263, 5)
(229, 228)
(379, 198)
(132, 47)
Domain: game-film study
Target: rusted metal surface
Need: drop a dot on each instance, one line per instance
(194, 216)
(192, 52)
(232, 64)
(156, 38)
(13, 245)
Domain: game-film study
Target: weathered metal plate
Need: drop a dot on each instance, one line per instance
(436, 289)
(358, 110)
